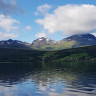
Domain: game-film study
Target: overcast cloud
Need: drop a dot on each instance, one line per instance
(70, 20)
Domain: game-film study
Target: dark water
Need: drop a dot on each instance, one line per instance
(53, 79)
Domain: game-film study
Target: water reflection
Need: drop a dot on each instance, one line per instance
(52, 79)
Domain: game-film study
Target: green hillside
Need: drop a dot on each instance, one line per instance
(87, 53)
(50, 47)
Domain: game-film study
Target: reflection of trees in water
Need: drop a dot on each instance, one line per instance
(12, 73)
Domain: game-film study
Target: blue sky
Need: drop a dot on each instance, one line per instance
(26, 19)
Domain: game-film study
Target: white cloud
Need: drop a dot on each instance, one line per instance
(7, 23)
(28, 28)
(70, 20)
(8, 27)
(7, 35)
(43, 9)
(39, 35)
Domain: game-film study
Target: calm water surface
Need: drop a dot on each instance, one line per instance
(53, 79)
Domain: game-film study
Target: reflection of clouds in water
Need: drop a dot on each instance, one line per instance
(45, 78)
(8, 91)
(42, 88)
(60, 84)
(94, 91)
(52, 81)
(68, 94)
(15, 91)
(55, 82)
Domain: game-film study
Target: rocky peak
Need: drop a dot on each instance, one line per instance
(42, 41)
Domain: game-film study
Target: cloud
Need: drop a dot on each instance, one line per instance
(7, 23)
(7, 35)
(9, 6)
(8, 27)
(28, 28)
(70, 20)
(39, 35)
(43, 9)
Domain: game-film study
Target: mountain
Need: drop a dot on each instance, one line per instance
(69, 42)
(42, 44)
(14, 44)
(42, 41)
(50, 45)
(82, 40)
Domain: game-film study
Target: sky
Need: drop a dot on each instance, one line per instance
(27, 20)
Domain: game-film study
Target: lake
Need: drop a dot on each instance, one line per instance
(48, 79)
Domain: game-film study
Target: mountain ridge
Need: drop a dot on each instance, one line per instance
(50, 45)
(69, 42)
(14, 44)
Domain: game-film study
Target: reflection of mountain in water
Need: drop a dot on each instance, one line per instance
(74, 77)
